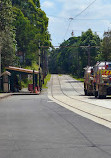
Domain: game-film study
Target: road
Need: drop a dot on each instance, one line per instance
(41, 127)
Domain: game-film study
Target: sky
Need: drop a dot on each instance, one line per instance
(66, 16)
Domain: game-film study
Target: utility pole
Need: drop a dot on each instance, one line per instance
(0, 61)
(89, 56)
(39, 68)
(72, 33)
(42, 65)
(0, 67)
(78, 63)
(33, 81)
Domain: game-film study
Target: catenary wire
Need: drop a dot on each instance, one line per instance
(78, 15)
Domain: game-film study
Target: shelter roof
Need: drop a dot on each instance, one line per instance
(17, 69)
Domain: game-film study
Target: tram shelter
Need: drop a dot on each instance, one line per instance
(20, 71)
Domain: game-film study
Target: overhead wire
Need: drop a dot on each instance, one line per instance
(67, 28)
(62, 16)
(71, 46)
(85, 9)
(77, 16)
(74, 19)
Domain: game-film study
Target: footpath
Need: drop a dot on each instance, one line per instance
(24, 91)
(5, 95)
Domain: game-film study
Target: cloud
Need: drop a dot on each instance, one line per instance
(48, 4)
(100, 11)
(73, 7)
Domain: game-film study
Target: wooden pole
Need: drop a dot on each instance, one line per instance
(33, 81)
(0, 70)
(39, 67)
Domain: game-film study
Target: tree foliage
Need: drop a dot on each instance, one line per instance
(72, 56)
(22, 25)
(7, 33)
(106, 46)
(31, 26)
(91, 48)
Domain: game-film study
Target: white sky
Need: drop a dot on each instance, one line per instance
(59, 12)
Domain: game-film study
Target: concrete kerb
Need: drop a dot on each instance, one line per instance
(5, 95)
(26, 93)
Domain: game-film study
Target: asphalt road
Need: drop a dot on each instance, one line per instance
(37, 127)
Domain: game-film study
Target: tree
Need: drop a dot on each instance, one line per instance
(89, 49)
(65, 59)
(7, 33)
(31, 26)
(52, 60)
(73, 54)
(106, 46)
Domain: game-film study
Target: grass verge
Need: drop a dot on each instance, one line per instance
(46, 80)
(79, 79)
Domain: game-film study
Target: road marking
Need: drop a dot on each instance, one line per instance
(50, 101)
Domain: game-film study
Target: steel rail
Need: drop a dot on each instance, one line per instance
(77, 100)
(82, 100)
(90, 141)
(73, 86)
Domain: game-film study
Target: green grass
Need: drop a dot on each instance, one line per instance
(33, 67)
(46, 80)
(79, 79)
(24, 83)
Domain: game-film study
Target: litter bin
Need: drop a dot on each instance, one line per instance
(30, 87)
(6, 81)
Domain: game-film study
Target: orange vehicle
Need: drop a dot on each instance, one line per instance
(88, 80)
(102, 79)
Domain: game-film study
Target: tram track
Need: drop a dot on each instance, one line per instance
(91, 143)
(73, 86)
(79, 94)
(77, 108)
